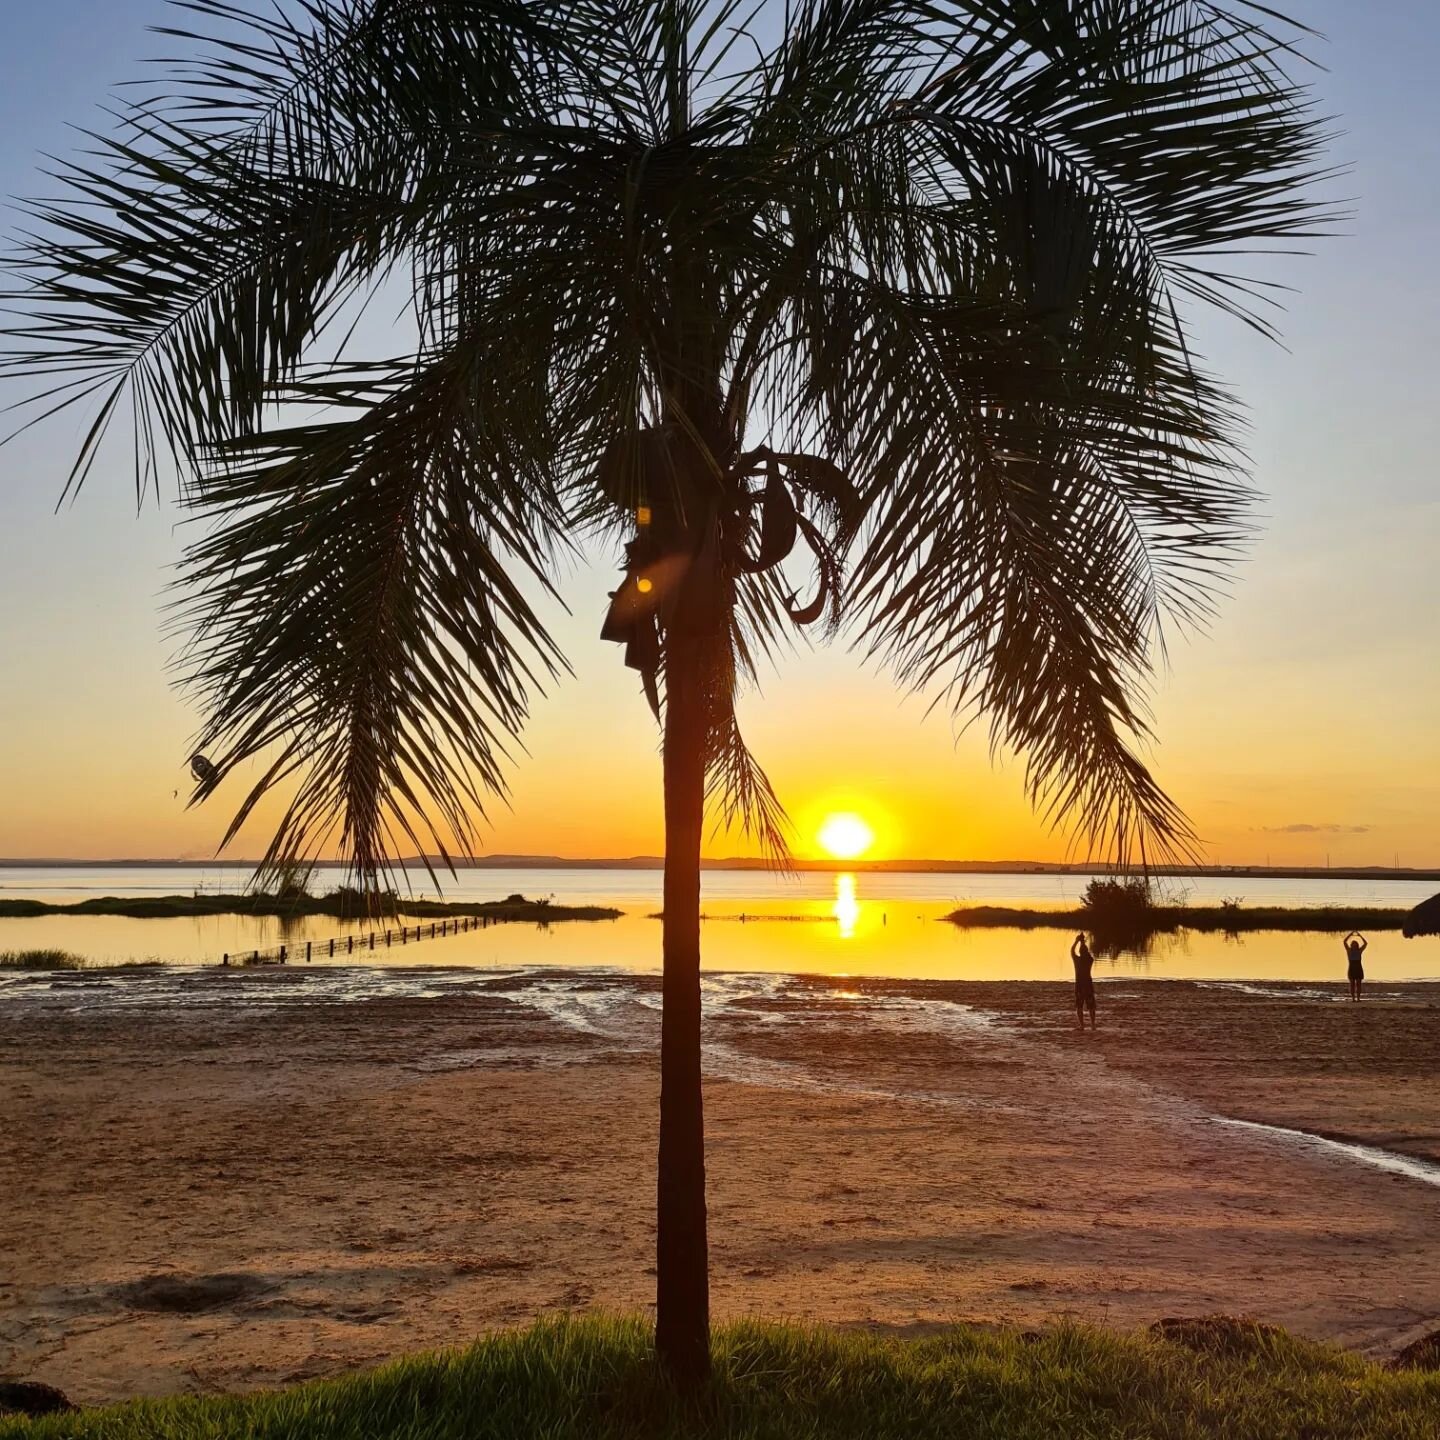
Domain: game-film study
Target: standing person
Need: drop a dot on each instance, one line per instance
(1355, 946)
(1084, 984)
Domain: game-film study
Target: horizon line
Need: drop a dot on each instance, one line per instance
(904, 865)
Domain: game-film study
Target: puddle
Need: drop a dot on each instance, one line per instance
(1272, 992)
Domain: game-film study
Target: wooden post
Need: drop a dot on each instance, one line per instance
(307, 952)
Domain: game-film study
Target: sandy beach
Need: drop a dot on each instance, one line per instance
(217, 1182)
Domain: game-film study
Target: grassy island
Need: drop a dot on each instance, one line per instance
(1161, 919)
(339, 904)
(1123, 912)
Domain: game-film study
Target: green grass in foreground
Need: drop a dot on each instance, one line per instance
(593, 1379)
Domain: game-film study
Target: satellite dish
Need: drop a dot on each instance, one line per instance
(203, 770)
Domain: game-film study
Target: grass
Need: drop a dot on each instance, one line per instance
(339, 904)
(41, 960)
(65, 960)
(592, 1378)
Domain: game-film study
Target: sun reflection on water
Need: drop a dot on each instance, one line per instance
(847, 906)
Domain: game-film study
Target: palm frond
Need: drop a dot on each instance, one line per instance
(988, 337)
(195, 257)
(356, 610)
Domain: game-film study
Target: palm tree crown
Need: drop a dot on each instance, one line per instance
(902, 286)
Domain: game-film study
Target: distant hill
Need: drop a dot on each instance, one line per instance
(905, 867)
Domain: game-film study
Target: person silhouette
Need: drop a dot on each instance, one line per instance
(1355, 946)
(1084, 984)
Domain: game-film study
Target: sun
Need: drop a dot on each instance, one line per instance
(845, 836)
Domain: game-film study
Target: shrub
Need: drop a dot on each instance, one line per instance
(1118, 901)
(292, 881)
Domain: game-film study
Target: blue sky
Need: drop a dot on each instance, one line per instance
(1303, 725)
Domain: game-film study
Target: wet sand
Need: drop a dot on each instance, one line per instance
(410, 1169)
(1299, 1056)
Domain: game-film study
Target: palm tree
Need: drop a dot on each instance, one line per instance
(890, 292)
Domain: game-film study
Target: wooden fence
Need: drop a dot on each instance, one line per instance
(303, 952)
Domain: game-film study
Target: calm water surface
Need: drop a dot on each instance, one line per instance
(866, 924)
(65, 884)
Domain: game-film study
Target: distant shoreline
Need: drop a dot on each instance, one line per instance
(744, 863)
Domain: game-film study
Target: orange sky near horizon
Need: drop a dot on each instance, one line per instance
(1301, 728)
(93, 746)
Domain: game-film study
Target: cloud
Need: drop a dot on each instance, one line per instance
(1318, 829)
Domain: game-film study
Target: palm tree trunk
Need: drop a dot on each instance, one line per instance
(682, 1300)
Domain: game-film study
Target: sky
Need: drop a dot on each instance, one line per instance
(1300, 729)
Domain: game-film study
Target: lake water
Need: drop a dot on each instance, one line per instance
(863, 924)
(66, 884)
